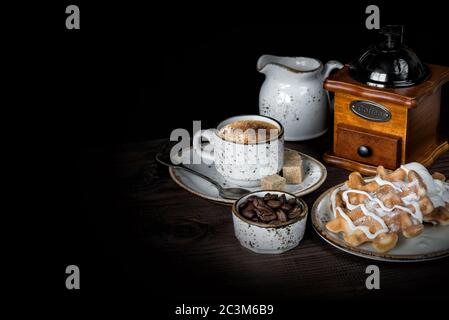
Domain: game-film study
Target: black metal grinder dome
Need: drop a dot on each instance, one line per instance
(389, 63)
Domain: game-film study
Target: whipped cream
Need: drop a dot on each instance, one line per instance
(437, 190)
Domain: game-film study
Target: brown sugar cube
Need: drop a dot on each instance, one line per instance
(291, 156)
(273, 182)
(292, 170)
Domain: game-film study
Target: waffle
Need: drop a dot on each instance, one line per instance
(378, 210)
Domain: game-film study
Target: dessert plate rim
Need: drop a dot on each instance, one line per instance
(338, 243)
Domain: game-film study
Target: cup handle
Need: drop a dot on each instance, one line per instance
(205, 152)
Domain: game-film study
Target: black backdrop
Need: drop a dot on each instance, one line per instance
(140, 72)
(134, 73)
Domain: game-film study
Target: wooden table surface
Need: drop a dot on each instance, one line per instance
(174, 245)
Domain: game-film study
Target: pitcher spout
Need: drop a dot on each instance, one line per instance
(264, 62)
(293, 65)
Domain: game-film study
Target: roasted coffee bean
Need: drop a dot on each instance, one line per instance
(295, 213)
(250, 205)
(248, 213)
(243, 204)
(270, 196)
(283, 198)
(267, 218)
(281, 215)
(266, 211)
(262, 212)
(274, 204)
(271, 208)
(297, 206)
(258, 202)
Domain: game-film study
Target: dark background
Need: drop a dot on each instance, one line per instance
(140, 72)
(134, 73)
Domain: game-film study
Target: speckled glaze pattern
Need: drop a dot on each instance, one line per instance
(245, 164)
(293, 94)
(259, 160)
(267, 239)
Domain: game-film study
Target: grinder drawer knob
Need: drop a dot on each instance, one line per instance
(364, 151)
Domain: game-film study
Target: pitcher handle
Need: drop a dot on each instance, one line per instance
(329, 66)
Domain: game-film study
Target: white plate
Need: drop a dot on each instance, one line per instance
(314, 175)
(432, 243)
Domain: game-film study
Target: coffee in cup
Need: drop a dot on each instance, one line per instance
(243, 149)
(248, 131)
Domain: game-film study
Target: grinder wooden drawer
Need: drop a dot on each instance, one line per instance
(367, 146)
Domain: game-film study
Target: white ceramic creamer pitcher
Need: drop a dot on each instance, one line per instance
(293, 94)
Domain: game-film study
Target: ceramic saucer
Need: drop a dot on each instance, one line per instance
(314, 175)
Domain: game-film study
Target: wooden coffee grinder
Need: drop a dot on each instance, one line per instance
(386, 108)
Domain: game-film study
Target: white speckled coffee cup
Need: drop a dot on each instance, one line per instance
(243, 164)
(265, 238)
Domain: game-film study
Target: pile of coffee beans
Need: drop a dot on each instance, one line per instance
(271, 208)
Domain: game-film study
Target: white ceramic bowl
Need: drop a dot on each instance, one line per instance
(265, 238)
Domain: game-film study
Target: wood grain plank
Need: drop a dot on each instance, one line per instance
(178, 246)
